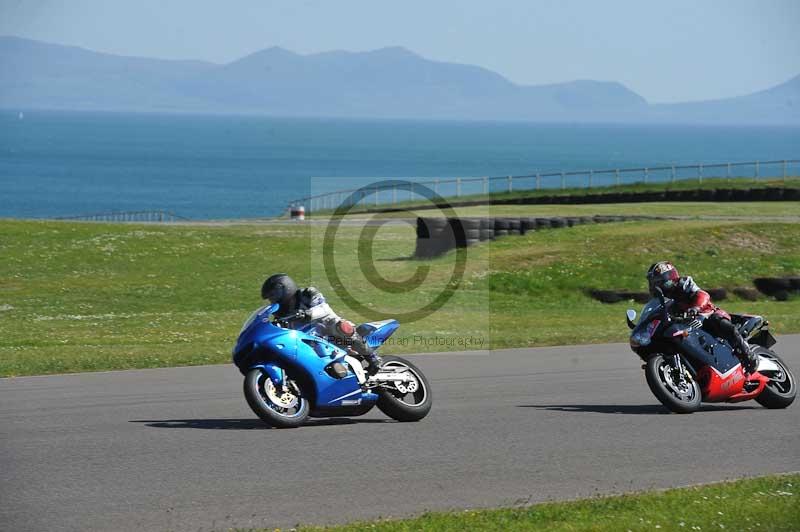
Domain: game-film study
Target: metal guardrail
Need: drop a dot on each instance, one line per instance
(459, 186)
(127, 216)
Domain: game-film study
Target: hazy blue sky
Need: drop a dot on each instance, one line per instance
(674, 51)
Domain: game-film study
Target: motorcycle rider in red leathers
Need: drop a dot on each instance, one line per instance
(308, 305)
(688, 298)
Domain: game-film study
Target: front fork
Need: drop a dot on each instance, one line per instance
(676, 362)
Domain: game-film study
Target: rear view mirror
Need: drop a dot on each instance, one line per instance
(630, 315)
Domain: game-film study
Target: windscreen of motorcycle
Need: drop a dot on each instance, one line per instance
(260, 312)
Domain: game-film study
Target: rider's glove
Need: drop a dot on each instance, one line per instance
(692, 312)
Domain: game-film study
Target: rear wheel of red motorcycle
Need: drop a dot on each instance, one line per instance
(681, 396)
(781, 388)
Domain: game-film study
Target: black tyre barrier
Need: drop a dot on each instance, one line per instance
(528, 224)
(434, 237)
(640, 297)
(649, 197)
(723, 194)
(791, 194)
(605, 296)
(472, 234)
(778, 193)
(781, 295)
(717, 294)
(615, 296)
(470, 223)
(772, 285)
(501, 224)
(773, 194)
(778, 287)
(748, 294)
(707, 195)
(740, 194)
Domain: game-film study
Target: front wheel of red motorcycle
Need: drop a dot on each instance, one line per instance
(782, 387)
(676, 389)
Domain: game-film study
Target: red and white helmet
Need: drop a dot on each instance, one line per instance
(662, 275)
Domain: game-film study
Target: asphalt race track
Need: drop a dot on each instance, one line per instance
(178, 449)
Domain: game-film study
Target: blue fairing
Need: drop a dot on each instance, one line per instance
(276, 350)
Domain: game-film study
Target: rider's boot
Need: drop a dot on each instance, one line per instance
(373, 363)
(747, 357)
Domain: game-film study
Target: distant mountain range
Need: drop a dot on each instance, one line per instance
(385, 83)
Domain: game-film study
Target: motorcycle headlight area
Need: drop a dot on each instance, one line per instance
(641, 338)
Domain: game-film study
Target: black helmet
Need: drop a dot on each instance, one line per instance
(281, 289)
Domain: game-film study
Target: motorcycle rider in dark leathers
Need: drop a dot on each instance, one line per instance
(308, 305)
(688, 298)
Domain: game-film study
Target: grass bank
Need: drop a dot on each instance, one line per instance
(768, 503)
(89, 296)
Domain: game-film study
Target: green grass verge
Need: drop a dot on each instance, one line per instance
(86, 296)
(768, 503)
(521, 193)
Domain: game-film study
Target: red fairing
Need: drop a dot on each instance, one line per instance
(729, 387)
(717, 386)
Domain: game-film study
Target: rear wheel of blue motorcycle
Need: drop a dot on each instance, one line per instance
(781, 389)
(679, 396)
(405, 405)
(280, 410)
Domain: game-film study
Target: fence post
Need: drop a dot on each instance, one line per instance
(377, 194)
(784, 170)
(394, 194)
(563, 181)
(485, 186)
(591, 178)
(538, 182)
(436, 185)
(673, 174)
(616, 173)
(757, 170)
(700, 173)
(728, 173)
(510, 184)
(646, 174)
(458, 187)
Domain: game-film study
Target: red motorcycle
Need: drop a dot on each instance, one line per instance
(685, 365)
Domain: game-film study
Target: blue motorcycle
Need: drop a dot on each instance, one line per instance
(293, 374)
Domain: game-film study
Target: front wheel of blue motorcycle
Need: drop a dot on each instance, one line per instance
(280, 408)
(407, 399)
